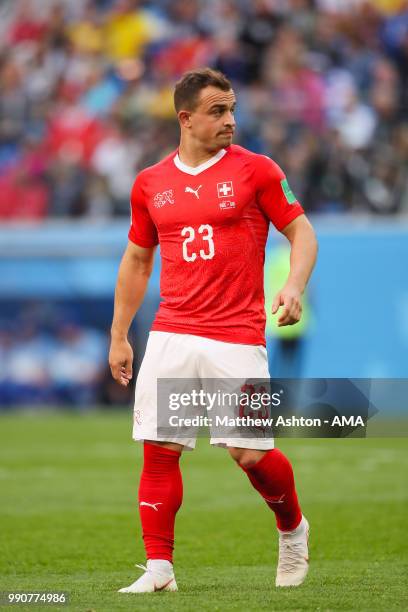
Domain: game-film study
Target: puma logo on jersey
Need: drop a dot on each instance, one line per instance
(152, 505)
(191, 190)
(160, 199)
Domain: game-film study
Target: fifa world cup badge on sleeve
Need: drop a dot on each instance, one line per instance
(289, 195)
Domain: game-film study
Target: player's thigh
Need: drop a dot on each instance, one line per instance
(228, 360)
(168, 356)
(229, 370)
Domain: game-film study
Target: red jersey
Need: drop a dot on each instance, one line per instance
(212, 224)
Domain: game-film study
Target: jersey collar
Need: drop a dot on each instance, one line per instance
(198, 169)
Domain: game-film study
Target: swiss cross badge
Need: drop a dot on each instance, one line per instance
(225, 189)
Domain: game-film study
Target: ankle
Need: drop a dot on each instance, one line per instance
(300, 528)
(162, 566)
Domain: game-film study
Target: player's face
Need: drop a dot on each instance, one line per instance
(212, 122)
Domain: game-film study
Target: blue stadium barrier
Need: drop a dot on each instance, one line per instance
(358, 293)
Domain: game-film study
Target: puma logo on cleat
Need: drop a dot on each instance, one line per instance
(152, 505)
(275, 500)
(195, 191)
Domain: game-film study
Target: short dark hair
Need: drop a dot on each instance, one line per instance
(188, 88)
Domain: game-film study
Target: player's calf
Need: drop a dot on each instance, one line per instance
(272, 476)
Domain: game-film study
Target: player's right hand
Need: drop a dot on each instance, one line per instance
(121, 360)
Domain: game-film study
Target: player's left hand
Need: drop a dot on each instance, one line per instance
(291, 299)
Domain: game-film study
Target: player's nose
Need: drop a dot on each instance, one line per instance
(229, 120)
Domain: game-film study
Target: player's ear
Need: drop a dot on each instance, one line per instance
(185, 118)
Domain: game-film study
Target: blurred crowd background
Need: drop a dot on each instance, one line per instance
(86, 102)
(86, 96)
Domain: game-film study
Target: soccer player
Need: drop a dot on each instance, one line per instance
(209, 205)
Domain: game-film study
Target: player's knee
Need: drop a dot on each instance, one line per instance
(170, 445)
(245, 457)
(248, 460)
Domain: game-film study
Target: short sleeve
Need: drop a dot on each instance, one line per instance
(274, 195)
(142, 230)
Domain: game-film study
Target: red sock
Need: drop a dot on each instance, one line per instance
(272, 477)
(160, 496)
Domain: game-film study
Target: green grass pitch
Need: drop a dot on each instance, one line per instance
(69, 521)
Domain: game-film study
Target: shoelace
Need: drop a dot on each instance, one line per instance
(289, 553)
(143, 567)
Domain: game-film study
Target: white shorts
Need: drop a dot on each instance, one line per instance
(186, 356)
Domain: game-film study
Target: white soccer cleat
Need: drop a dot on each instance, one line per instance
(152, 580)
(293, 562)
